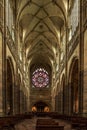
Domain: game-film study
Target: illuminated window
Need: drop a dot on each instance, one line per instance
(40, 78)
(34, 109)
(46, 109)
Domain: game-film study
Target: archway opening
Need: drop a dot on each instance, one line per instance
(9, 88)
(75, 88)
(40, 107)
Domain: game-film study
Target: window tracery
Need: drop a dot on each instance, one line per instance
(9, 18)
(40, 78)
(74, 19)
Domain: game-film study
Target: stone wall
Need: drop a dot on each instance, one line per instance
(0, 72)
(85, 74)
(63, 98)
(37, 94)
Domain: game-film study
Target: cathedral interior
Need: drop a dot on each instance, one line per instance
(43, 57)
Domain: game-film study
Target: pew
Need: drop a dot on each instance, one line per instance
(49, 127)
(48, 124)
(79, 122)
(76, 121)
(8, 122)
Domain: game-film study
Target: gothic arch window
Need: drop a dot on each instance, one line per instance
(40, 78)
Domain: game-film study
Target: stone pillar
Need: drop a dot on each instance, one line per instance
(56, 103)
(20, 101)
(15, 99)
(66, 100)
(85, 74)
(1, 73)
(53, 103)
(60, 102)
(2, 58)
(69, 99)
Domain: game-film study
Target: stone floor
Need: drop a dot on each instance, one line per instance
(30, 124)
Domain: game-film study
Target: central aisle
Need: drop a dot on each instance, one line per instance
(27, 124)
(30, 124)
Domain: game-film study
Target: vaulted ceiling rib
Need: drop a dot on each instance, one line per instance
(41, 21)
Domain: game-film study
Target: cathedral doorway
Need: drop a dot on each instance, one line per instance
(40, 107)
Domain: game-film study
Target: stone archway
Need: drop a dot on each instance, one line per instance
(74, 86)
(41, 106)
(9, 86)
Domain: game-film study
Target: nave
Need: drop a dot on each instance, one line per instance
(30, 124)
(43, 64)
(43, 121)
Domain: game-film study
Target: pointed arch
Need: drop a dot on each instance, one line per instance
(74, 86)
(10, 77)
(41, 106)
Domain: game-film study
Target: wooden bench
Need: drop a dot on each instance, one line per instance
(48, 124)
(79, 122)
(8, 122)
(49, 127)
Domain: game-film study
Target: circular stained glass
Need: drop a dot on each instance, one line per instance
(40, 78)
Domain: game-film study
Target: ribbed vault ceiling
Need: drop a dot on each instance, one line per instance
(41, 21)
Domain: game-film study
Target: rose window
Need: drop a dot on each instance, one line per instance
(40, 78)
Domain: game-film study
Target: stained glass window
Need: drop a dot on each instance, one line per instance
(40, 78)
